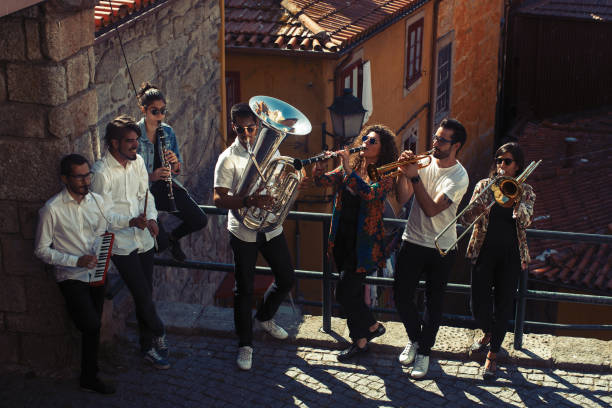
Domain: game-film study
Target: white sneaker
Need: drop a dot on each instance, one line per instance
(245, 358)
(407, 356)
(421, 365)
(273, 329)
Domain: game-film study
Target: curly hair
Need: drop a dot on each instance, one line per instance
(388, 149)
(149, 93)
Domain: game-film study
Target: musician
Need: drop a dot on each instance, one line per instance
(153, 106)
(69, 226)
(247, 243)
(122, 179)
(498, 251)
(356, 233)
(437, 189)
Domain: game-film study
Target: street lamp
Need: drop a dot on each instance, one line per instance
(347, 115)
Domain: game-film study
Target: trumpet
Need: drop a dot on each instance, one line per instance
(506, 192)
(298, 163)
(390, 169)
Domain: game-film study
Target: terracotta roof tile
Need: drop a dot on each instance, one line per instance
(572, 192)
(289, 25)
(117, 11)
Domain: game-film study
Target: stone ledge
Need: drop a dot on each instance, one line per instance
(539, 350)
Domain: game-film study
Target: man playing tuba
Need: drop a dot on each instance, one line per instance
(246, 243)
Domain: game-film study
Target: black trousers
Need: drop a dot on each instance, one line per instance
(194, 219)
(276, 254)
(494, 280)
(85, 305)
(136, 270)
(414, 261)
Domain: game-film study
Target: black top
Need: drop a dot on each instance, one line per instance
(345, 242)
(156, 154)
(501, 232)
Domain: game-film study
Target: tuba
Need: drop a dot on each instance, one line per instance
(266, 174)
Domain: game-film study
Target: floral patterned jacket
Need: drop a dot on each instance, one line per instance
(522, 213)
(370, 250)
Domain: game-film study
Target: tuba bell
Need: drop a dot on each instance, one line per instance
(267, 173)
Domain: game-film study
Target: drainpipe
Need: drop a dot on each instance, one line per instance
(500, 124)
(432, 74)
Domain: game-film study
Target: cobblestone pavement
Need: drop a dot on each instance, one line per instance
(204, 374)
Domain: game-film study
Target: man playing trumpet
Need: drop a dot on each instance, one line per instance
(438, 189)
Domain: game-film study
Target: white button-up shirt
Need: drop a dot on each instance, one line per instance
(228, 172)
(126, 188)
(68, 230)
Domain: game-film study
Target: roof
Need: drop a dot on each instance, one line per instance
(593, 10)
(314, 26)
(573, 192)
(108, 14)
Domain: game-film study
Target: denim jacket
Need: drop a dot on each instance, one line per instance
(147, 150)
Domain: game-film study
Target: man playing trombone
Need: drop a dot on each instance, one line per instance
(438, 189)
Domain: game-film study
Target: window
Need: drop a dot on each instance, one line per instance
(351, 77)
(443, 81)
(414, 51)
(232, 92)
(410, 138)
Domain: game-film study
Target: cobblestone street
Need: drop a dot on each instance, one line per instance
(204, 374)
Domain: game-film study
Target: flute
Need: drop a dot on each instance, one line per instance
(298, 163)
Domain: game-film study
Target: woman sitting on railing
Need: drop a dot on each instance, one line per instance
(498, 251)
(356, 233)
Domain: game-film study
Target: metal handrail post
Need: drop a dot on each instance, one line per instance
(327, 282)
(519, 319)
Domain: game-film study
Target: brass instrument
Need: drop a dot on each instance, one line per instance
(266, 174)
(298, 164)
(506, 191)
(390, 169)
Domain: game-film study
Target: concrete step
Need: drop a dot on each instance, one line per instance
(539, 350)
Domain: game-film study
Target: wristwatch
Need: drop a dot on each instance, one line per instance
(415, 179)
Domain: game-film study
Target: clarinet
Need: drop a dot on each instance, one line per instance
(161, 147)
(298, 163)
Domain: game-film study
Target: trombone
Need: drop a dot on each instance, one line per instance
(506, 191)
(390, 169)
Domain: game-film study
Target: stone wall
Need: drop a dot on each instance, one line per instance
(48, 107)
(175, 46)
(58, 87)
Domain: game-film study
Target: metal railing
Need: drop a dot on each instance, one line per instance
(327, 277)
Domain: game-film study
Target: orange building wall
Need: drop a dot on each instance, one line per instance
(475, 26)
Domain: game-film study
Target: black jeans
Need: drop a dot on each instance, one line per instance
(414, 261)
(349, 293)
(136, 270)
(85, 305)
(494, 280)
(194, 219)
(276, 254)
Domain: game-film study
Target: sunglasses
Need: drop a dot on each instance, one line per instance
(506, 161)
(441, 140)
(371, 140)
(241, 129)
(81, 176)
(155, 111)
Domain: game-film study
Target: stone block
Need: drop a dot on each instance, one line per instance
(65, 36)
(120, 87)
(27, 120)
(165, 34)
(33, 40)
(146, 70)
(91, 60)
(75, 117)
(2, 85)
(28, 219)
(12, 40)
(108, 63)
(77, 73)
(23, 160)
(18, 257)
(53, 320)
(9, 222)
(42, 293)
(59, 6)
(9, 348)
(44, 84)
(12, 294)
(51, 352)
(83, 145)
